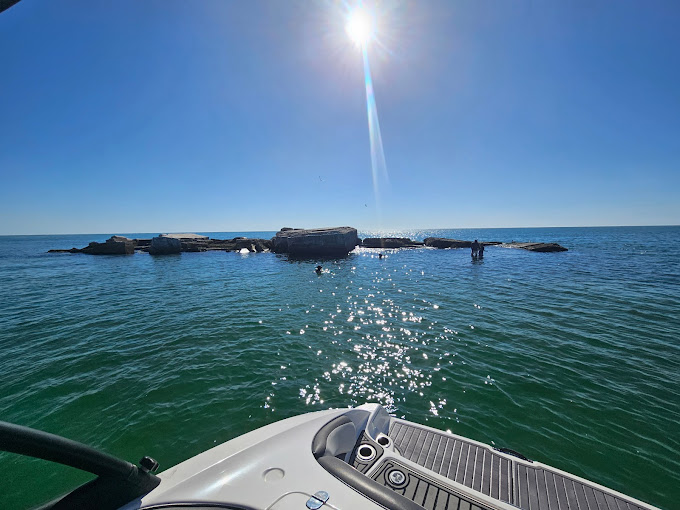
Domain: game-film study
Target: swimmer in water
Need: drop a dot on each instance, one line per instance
(380, 255)
(318, 269)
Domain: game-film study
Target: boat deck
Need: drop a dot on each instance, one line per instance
(480, 468)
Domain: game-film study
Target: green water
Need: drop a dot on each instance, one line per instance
(570, 358)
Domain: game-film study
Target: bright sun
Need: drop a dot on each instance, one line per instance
(359, 27)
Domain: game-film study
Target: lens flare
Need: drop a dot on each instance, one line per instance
(359, 27)
(378, 165)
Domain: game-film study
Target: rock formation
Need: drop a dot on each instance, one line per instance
(142, 244)
(441, 242)
(390, 242)
(115, 245)
(252, 245)
(539, 247)
(171, 243)
(333, 242)
(165, 245)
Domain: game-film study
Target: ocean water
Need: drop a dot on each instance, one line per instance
(570, 358)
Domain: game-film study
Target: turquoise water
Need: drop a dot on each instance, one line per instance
(570, 358)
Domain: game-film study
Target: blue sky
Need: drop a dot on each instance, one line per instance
(219, 115)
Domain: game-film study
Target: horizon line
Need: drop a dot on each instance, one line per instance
(358, 229)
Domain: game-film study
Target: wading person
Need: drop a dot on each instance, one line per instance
(475, 248)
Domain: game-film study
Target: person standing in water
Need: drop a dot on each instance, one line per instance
(475, 248)
(481, 250)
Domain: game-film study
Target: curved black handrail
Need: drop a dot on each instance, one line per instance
(118, 481)
(6, 4)
(366, 486)
(350, 476)
(46, 446)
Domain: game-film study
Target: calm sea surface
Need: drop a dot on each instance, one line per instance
(570, 358)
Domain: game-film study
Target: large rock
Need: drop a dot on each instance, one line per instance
(188, 242)
(389, 242)
(338, 241)
(442, 242)
(539, 247)
(116, 245)
(165, 245)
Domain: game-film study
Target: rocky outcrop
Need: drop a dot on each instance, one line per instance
(252, 245)
(539, 247)
(142, 244)
(333, 242)
(235, 244)
(165, 245)
(115, 245)
(187, 237)
(171, 243)
(62, 250)
(193, 246)
(177, 243)
(441, 242)
(299, 242)
(390, 242)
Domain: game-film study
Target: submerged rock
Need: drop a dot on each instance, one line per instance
(338, 241)
(61, 250)
(539, 247)
(390, 242)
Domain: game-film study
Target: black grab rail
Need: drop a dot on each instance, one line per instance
(118, 481)
(385, 497)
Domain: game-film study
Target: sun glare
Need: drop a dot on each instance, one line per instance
(359, 27)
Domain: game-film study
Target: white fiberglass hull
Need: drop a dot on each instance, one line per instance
(363, 459)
